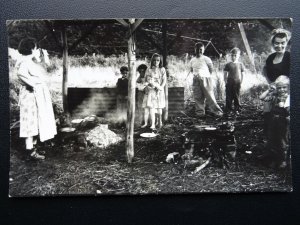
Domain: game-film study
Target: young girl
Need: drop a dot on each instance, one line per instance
(154, 98)
(36, 112)
(140, 85)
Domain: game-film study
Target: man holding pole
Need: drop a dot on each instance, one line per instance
(201, 67)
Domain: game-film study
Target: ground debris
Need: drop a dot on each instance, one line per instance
(107, 172)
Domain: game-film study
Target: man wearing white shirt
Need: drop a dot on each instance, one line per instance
(201, 67)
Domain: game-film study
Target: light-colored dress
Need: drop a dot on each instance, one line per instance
(36, 111)
(153, 97)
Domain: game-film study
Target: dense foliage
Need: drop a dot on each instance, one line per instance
(108, 37)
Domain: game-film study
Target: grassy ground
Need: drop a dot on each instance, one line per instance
(96, 171)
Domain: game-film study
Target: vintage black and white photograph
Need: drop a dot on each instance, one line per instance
(149, 106)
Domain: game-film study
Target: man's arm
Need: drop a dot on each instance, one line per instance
(210, 67)
(209, 64)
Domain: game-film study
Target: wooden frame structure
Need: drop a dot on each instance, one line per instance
(131, 25)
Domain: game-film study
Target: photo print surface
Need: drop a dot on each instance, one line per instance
(149, 106)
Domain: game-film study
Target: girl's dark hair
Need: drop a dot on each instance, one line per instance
(279, 35)
(152, 58)
(142, 67)
(26, 46)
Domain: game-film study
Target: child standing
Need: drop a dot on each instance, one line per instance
(122, 94)
(154, 98)
(278, 134)
(267, 97)
(233, 77)
(140, 84)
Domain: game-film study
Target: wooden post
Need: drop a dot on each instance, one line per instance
(165, 54)
(131, 94)
(65, 73)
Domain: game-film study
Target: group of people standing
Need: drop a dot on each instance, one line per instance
(277, 101)
(201, 67)
(37, 117)
(151, 82)
(276, 98)
(151, 98)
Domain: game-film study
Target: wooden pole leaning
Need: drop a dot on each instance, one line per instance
(247, 46)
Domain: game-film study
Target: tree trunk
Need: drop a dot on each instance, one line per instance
(65, 74)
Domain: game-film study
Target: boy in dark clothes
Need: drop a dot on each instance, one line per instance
(122, 94)
(233, 77)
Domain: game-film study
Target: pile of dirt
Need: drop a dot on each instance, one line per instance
(102, 137)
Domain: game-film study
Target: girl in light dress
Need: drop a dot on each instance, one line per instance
(154, 94)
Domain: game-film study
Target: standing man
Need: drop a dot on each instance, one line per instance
(201, 66)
